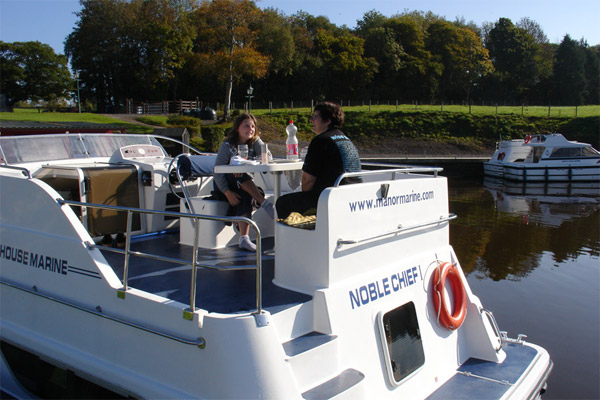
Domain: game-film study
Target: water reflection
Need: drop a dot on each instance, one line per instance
(531, 255)
(516, 223)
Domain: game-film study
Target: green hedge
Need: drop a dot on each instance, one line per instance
(192, 124)
(368, 127)
(213, 136)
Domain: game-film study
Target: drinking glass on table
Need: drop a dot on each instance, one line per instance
(264, 153)
(243, 151)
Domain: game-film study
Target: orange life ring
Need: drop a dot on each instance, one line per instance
(449, 272)
(527, 139)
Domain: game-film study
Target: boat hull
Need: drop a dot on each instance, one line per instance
(539, 172)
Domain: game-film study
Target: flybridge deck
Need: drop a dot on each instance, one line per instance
(226, 285)
(172, 311)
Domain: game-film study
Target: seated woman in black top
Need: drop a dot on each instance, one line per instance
(329, 155)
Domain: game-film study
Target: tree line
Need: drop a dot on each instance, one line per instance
(215, 49)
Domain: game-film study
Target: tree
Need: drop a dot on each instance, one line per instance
(380, 43)
(592, 73)
(513, 52)
(347, 72)
(104, 51)
(126, 49)
(462, 56)
(544, 59)
(275, 39)
(569, 73)
(165, 39)
(32, 71)
(226, 44)
(405, 70)
(417, 78)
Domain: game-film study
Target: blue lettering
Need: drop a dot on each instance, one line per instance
(410, 277)
(372, 291)
(354, 298)
(402, 279)
(364, 299)
(386, 286)
(382, 287)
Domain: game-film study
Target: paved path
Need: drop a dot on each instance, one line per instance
(131, 119)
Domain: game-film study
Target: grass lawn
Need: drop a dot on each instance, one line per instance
(526, 111)
(24, 114)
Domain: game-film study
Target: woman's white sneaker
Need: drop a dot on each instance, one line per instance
(246, 244)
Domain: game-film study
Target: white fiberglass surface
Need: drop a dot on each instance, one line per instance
(23, 149)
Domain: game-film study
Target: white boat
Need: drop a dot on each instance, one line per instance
(544, 158)
(369, 303)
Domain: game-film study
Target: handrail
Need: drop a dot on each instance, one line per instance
(200, 342)
(406, 170)
(25, 171)
(196, 217)
(449, 217)
(492, 320)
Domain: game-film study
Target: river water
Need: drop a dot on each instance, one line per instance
(532, 255)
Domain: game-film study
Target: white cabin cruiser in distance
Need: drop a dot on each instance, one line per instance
(544, 158)
(369, 302)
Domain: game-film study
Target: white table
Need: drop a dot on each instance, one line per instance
(277, 167)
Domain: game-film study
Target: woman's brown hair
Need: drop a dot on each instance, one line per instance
(233, 135)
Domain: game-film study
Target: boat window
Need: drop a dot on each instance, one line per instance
(589, 152)
(566, 152)
(403, 339)
(537, 153)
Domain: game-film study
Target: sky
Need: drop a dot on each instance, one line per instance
(50, 21)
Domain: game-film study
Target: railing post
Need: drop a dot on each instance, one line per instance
(127, 249)
(258, 271)
(196, 223)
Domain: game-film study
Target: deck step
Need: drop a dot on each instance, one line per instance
(306, 342)
(310, 350)
(336, 386)
(294, 321)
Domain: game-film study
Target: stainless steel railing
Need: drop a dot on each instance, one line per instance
(393, 172)
(127, 252)
(401, 228)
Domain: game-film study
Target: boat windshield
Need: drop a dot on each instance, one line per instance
(24, 149)
(571, 152)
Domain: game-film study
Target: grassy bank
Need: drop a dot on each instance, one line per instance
(524, 111)
(381, 130)
(32, 114)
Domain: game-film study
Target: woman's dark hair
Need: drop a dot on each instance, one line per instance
(332, 112)
(233, 135)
